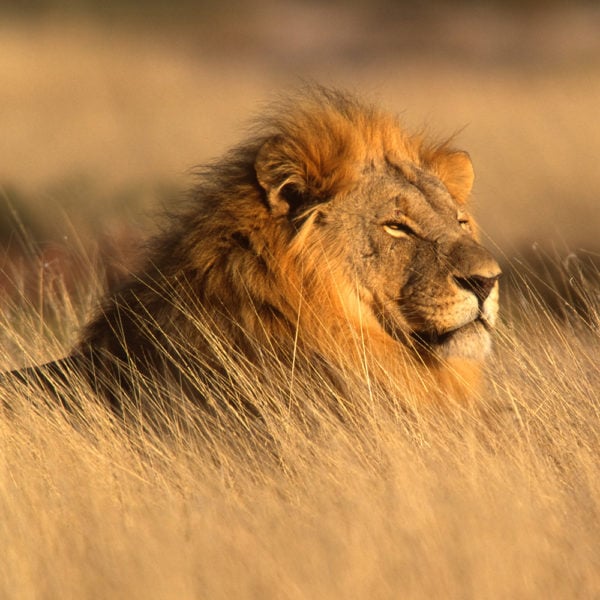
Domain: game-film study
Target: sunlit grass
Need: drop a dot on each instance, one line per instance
(310, 501)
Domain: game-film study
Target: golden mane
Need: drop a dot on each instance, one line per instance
(322, 140)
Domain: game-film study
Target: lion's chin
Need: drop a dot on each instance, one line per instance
(472, 341)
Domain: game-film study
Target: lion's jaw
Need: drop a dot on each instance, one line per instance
(472, 341)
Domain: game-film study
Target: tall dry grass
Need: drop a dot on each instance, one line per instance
(367, 501)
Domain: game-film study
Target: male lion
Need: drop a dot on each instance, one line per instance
(332, 238)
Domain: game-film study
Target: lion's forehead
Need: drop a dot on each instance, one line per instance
(390, 194)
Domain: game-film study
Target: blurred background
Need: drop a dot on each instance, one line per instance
(107, 105)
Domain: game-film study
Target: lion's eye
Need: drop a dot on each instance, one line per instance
(398, 230)
(464, 224)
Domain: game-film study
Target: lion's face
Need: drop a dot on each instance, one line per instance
(410, 251)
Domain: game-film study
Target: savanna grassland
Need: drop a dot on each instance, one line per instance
(102, 121)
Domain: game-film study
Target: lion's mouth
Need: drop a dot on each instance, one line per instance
(472, 340)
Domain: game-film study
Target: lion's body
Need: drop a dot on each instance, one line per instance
(331, 235)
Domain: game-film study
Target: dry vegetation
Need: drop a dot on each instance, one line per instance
(497, 501)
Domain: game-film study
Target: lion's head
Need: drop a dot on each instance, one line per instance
(384, 217)
(332, 232)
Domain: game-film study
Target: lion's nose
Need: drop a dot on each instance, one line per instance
(480, 285)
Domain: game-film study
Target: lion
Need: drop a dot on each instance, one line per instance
(330, 237)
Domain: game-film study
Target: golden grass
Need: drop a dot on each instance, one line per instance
(499, 501)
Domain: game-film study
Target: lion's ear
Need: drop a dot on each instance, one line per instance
(455, 169)
(278, 174)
